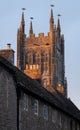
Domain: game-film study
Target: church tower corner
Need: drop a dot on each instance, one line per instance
(20, 44)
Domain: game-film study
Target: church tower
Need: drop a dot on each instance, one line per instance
(42, 57)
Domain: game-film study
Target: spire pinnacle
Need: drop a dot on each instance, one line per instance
(22, 21)
(31, 27)
(58, 25)
(51, 19)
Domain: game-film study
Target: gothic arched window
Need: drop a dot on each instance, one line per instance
(26, 58)
(29, 58)
(42, 57)
(45, 82)
(46, 57)
(37, 58)
(34, 58)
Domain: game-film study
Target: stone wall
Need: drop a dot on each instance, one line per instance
(57, 120)
(8, 101)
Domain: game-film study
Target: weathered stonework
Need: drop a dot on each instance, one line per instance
(57, 120)
(8, 101)
(8, 54)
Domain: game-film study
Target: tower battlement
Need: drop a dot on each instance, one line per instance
(33, 71)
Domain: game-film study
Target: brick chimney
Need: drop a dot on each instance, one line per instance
(8, 53)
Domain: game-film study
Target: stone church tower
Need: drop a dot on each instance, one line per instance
(42, 57)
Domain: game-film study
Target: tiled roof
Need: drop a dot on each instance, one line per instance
(32, 86)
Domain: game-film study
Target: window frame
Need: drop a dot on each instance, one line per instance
(45, 112)
(54, 116)
(36, 105)
(25, 102)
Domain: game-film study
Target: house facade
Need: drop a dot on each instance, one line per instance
(26, 105)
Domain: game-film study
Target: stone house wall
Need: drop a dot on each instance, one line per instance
(8, 101)
(57, 120)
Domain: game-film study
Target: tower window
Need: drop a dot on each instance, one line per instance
(46, 57)
(30, 58)
(45, 83)
(37, 57)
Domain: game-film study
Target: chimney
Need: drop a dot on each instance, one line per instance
(9, 53)
(8, 46)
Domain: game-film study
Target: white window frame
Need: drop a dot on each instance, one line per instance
(36, 107)
(45, 112)
(25, 102)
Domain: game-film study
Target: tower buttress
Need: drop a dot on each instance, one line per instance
(63, 66)
(20, 44)
(52, 40)
(51, 21)
(22, 24)
(58, 27)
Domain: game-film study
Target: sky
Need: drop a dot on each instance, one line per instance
(10, 16)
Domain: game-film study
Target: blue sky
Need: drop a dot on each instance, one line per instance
(10, 16)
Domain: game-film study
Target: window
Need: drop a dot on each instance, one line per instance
(75, 125)
(60, 120)
(30, 58)
(45, 112)
(71, 125)
(54, 116)
(45, 83)
(36, 107)
(79, 126)
(38, 58)
(25, 102)
(46, 57)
